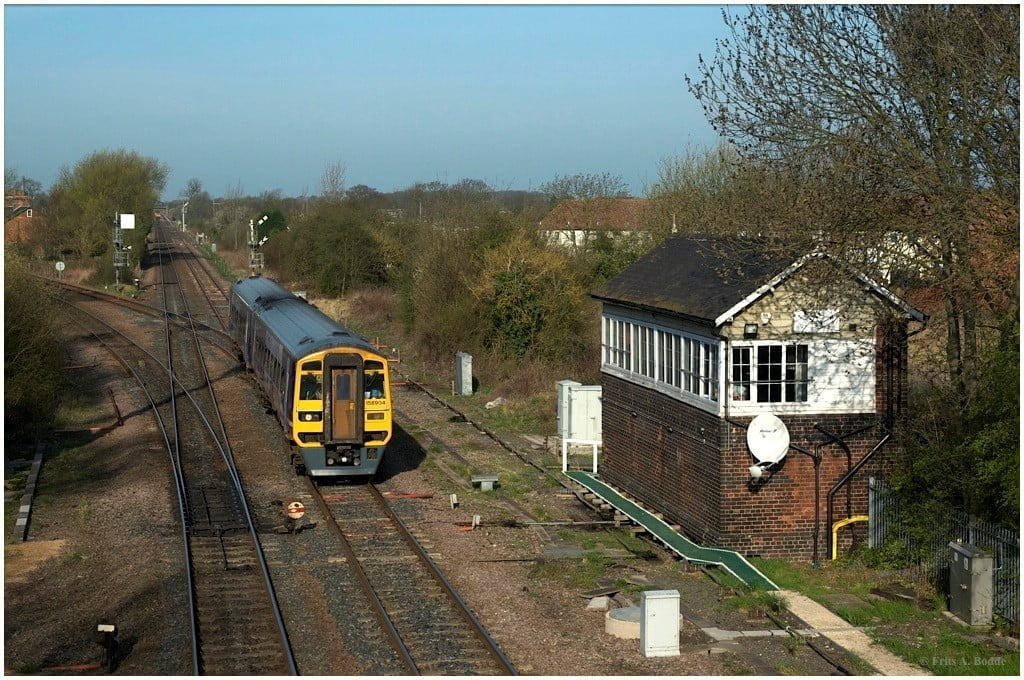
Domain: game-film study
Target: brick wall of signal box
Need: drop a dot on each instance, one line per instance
(693, 467)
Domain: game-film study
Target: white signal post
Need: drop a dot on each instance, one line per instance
(255, 259)
(183, 207)
(122, 221)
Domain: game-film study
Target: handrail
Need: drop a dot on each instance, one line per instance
(839, 525)
(593, 443)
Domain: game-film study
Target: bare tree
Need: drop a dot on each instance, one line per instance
(585, 186)
(332, 181)
(892, 128)
(232, 215)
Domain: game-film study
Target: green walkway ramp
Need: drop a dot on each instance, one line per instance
(729, 560)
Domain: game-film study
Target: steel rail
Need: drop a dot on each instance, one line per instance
(203, 261)
(192, 269)
(175, 459)
(364, 581)
(228, 457)
(206, 422)
(193, 609)
(142, 308)
(463, 608)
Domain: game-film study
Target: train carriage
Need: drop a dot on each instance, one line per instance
(329, 388)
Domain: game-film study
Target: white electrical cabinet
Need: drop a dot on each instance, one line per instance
(659, 622)
(579, 411)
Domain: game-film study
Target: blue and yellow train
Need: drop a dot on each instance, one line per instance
(329, 388)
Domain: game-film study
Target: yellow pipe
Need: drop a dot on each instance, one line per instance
(839, 525)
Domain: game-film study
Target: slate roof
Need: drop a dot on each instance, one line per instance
(692, 275)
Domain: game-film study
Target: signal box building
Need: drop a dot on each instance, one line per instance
(696, 342)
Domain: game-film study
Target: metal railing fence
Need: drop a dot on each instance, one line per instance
(928, 548)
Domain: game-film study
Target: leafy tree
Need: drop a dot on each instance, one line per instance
(970, 459)
(274, 223)
(364, 195)
(87, 198)
(331, 248)
(200, 204)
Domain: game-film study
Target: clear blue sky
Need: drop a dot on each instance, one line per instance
(267, 96)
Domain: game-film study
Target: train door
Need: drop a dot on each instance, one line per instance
(345, 398)
(343, 406)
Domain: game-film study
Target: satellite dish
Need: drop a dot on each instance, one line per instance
(767, 438)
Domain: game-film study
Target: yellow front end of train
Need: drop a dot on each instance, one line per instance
(341, 419)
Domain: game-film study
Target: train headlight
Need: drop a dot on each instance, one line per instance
(311, 416)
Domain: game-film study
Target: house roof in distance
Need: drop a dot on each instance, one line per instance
(699, 276)
(604, 214)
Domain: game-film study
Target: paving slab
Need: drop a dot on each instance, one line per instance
(847, 636)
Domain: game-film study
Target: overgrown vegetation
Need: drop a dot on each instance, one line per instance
(967, 458)
(34, 360)
(468, 273)
(580, 574)
(757, 602)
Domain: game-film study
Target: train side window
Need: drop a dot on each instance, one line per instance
(311, 386)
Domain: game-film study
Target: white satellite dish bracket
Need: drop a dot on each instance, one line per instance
(768, 441)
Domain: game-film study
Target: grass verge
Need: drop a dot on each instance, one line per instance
(920, 635)
(222, 267)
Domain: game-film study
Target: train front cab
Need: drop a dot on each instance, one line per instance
(342, 413)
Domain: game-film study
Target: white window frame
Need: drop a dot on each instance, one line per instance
(828, 361)
(753, 350)
(648, 366)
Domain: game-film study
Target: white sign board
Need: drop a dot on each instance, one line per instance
(59, 266)
(127, 220)
(816, 321)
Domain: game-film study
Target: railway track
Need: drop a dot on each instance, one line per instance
(237, 623)
(207, 284)
(217, 338)
(431, 628)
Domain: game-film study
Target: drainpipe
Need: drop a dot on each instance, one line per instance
(838, 439)
(848, 476)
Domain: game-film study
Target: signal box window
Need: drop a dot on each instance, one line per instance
(779, 371)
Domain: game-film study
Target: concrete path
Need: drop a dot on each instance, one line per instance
(847, 636)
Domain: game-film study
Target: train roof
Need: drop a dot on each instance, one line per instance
(300, 327)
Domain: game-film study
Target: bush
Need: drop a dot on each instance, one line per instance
(531, 294)
(33, 358)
